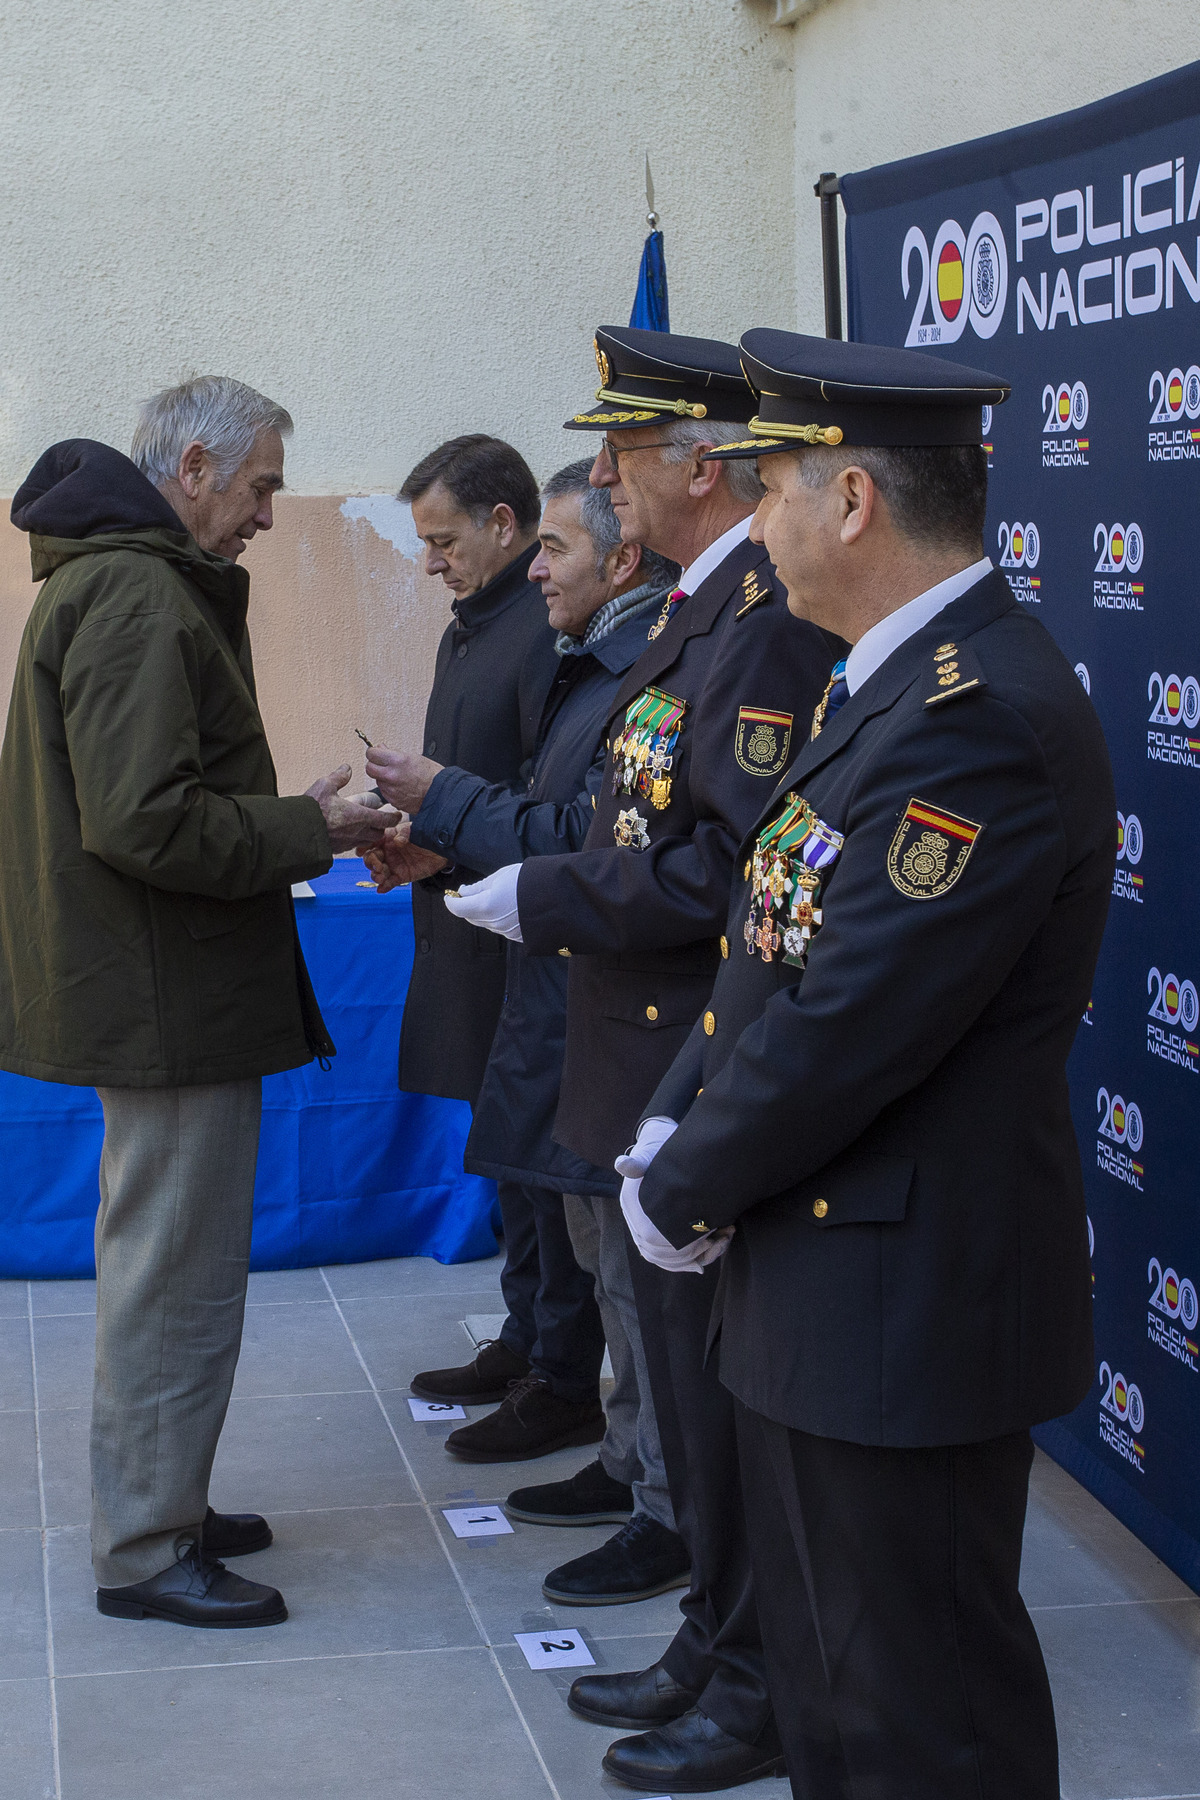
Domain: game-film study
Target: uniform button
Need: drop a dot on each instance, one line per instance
(564, 951)
(724, 946)
(443, 837)
(710, 1023)
(699, 1225)
(462, 649)
(425, 945)
(652, 1012)
(431, 746)
(820, 1208)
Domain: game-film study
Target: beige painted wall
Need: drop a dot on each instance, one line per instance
(882, 79)
(401, 218)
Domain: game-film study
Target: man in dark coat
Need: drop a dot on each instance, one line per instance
(698, 731)
(148, 946)
(603, 595)
(876, 1104)
(475, 505)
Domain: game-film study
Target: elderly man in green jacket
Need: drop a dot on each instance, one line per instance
(148, 946)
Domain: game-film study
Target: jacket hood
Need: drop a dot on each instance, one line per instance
(81, 488)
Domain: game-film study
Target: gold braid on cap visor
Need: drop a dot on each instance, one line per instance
(803, 434)
(687, 409)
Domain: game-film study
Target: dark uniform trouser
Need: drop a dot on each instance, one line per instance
(553, 1318)
(717, 1651)
(902, 1661)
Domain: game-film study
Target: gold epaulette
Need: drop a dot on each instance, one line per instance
(956, 671)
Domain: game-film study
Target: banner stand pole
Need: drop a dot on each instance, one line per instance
(827, 190)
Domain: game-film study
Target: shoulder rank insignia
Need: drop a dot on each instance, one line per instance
(630, 831)
(754, 591)
(762, 740)
(792, 857)
(643, 751)
(930, 850)
(955, 672)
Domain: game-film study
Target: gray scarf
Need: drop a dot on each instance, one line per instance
(614, 612)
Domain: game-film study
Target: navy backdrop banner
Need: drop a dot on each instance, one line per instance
(1066, 257)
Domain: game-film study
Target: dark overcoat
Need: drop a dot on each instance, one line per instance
(489, 826)
(890, 1130)
(494, 665)
(643, 926)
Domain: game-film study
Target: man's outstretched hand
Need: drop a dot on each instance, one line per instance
(347, 821)
(401, 776)
(395, 862)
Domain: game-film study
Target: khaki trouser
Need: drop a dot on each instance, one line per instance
(172, 1257)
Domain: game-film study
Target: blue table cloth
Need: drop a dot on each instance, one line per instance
(349, 1168)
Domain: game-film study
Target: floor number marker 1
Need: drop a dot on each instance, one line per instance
(552, 1649)
(476, 1521)
(433, 1410)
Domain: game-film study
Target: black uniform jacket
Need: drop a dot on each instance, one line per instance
(891, 1128)
(643, 925)
(494, 665)
(489, 826)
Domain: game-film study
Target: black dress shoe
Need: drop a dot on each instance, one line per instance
(631, 1702)
(234, 1534)
(531, 1421)
(195, 1590)
(589, 1497)
(477, 1383)
(689, 1756)
(642, 1560)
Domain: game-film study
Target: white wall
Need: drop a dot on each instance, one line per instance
(401, 218)
(882, 79)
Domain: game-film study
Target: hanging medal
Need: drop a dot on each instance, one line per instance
(792, 856)
(643, 752)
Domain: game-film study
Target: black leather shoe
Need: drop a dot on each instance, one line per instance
(195, 1590)
(689, 1756)
(477, 1383)
(531, 1421)
(234, 1534)
(589, 1497)
(631, 1702)
(642, 1560)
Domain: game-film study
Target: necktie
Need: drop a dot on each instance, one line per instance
(669, 604)
(836, 695)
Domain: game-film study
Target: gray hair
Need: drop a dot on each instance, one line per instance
(223, 415)
(741, 473)
(600, 522)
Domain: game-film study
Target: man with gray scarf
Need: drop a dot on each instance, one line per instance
(603, 596)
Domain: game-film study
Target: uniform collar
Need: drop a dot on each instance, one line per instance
(875, 646)
(708, 560)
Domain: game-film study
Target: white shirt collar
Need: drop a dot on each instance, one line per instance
(875, 646)
(707, 561)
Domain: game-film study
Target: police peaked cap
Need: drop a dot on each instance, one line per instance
(815, 390)
(649, 377)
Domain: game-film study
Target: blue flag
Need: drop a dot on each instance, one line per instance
(650, 302)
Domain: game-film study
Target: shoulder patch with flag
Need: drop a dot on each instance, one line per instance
(762, 740)
(930, 850)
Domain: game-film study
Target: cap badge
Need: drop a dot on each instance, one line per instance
(602, 363)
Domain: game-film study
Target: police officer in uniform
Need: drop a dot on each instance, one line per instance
(873, 1115)
(698, 734)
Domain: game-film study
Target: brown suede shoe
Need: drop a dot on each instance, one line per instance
(531, 1421)
(478, 1383)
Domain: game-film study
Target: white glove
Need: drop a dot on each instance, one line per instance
(652, 1135)
(491, 903)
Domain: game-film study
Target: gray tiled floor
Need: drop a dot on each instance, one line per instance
(396, 1677)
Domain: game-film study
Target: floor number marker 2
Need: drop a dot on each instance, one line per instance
(554, 1650)
(476, 1521)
